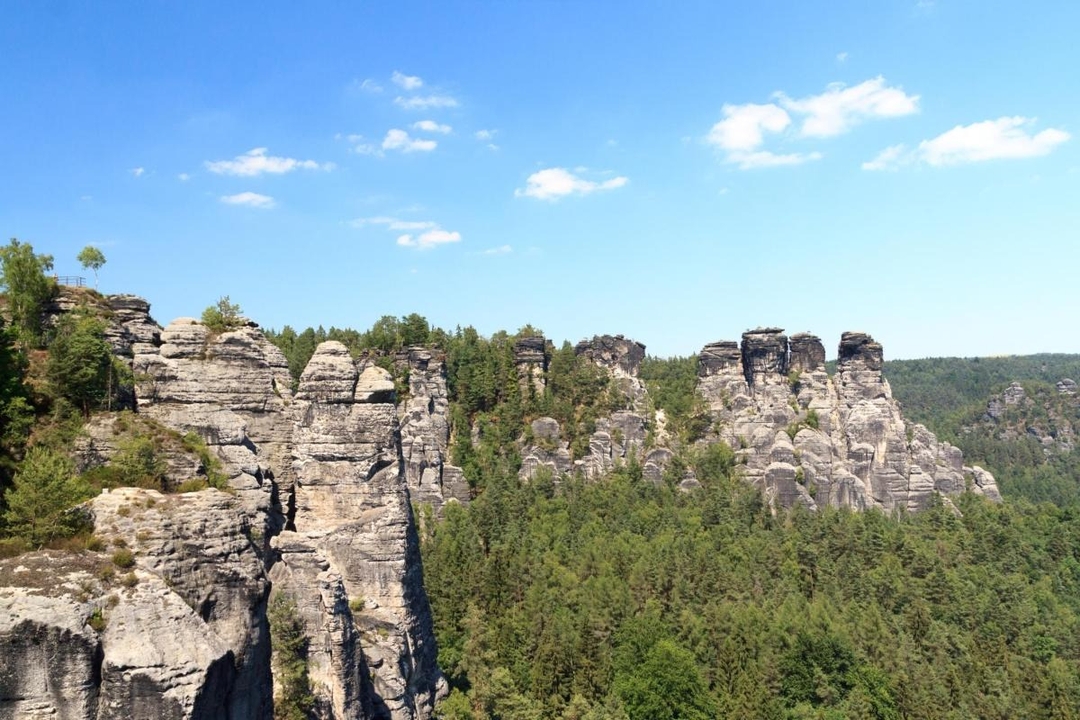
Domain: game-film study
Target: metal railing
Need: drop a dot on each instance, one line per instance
(70, 280)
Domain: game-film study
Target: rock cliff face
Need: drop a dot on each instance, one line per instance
(355, 539)
(319, 508)
(425, 432)
(181, 634)
(807, 438)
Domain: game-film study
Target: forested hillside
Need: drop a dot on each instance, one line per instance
(950, 396)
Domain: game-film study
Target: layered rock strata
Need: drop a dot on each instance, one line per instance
(807, 438)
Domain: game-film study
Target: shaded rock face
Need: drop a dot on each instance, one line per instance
(181, 635)
(531, 355)
(810, 439)
(618, 354)
(425, 432)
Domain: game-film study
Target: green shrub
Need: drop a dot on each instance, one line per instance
(222, 316)
(123, 558)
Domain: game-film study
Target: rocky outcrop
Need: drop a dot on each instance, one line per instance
(531, 354)
(180, 634)
(1046, 414)
(807, 438)
(354, 527)
(425, 432)
(620, 437)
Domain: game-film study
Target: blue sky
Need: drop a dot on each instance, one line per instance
(676, 172)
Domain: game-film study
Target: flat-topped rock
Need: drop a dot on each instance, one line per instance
(614, 352)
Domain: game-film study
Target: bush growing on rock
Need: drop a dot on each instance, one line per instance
(222, 316)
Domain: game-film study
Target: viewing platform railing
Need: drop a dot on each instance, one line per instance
(70, 280)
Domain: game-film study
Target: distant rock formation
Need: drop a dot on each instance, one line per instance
(619, 437)
(806, 438)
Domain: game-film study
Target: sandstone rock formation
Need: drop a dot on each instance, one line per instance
(355, 532)
(807, 438)
(181, 634)
(425, 432)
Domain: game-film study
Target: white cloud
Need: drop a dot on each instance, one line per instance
(501, 250)
(430, 234)
(250, 199)
(407, 82)
(429, 239)
(1004, 138)
(256, 162)
(840, 108)
(485, 135)
(766, 159)
(399, 140)
(425, 102)
(432, 126)
(744, 126)
(137, 171)
(554, 183)
(888, 159)
(841, 57)
(183, 177)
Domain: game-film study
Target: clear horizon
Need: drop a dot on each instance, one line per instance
(677, 175)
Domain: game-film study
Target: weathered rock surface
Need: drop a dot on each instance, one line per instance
(182, 634)
(425, 432)
(354, 522)
(807, 438)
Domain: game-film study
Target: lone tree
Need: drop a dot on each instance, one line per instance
(92, 259)
(22, 275)
(222, 316)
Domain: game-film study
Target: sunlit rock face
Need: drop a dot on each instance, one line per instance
(806, 438)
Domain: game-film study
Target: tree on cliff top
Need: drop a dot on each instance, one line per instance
(22, 275)
(91, 258)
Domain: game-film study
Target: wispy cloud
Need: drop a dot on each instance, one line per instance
(429, 239)
(418, 234)
(425, 102)
(183, 177)
(432, 127)
(397, 139)
(393, 223)
(366, 85)
(501, 250)
(554, 183)
(250, 199)
(841, 57)
(406, 82)
(485, 135)
(1007, 138)
(137, 171)
(256, 162)
(887, 159)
